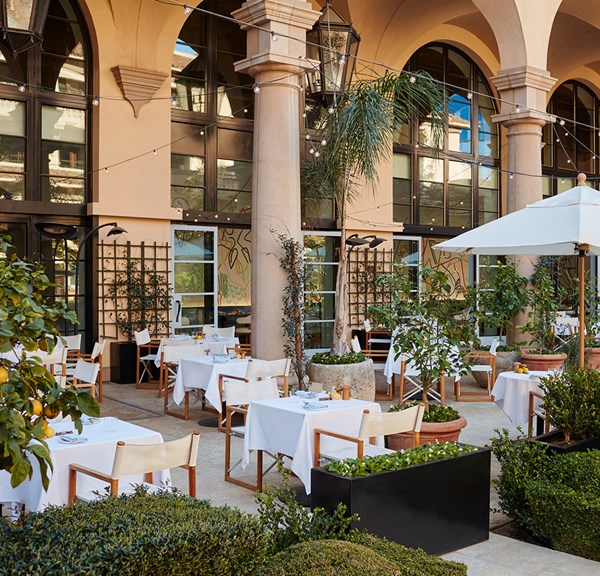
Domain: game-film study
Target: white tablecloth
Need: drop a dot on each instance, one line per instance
(98, 452)
(511, 393)
(282, 425)
(203, 373)
(210, 345)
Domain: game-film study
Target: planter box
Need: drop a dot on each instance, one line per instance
(360, 377)
(440, 506)
(552, 443)
(123, 356)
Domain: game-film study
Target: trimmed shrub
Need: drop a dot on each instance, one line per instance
(330, 558)
(565, 503)
(326, 358)
(363, 555)
(554, 497)
(143, 534)
(411, 561)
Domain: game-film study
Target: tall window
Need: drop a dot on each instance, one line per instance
(572, 146)
(45, 104)
(212, 111)
(459, 187)
(43, 99)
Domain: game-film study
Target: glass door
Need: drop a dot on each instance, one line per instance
(194, 278)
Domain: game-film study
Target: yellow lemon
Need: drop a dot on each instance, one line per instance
(36, 407)
(50, 432)
(3, 374)
(49, 411)
(45, 425)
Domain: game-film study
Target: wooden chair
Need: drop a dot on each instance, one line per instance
(238, 394)
(489, 369)
(371, 426)
(146, 356)
(537, 413)
(73, 343)
(226, 332)
(409, 373)
(379, 358)
(256, 370)
(240, 348)
(142, 459)
(169, 364)
(242, 328)
(85, 375)
(96, 356)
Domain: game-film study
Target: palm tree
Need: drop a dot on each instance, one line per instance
(360, 131)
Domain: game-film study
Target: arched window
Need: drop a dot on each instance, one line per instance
(212, 112)
(571, 144)
(459, 187)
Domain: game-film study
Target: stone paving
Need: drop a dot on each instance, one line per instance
(500, 556)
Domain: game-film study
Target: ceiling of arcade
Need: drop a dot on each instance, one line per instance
(141, 33)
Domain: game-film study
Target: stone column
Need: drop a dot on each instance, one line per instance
(523, 92)
(276, 59)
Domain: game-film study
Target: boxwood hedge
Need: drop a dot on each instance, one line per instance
(139, 535)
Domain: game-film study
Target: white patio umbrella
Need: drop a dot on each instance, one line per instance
(565, 224)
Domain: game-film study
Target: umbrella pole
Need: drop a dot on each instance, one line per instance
(581, 262)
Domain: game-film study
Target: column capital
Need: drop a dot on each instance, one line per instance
(523, 93)
(281, 36)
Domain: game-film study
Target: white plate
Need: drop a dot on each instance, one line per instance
(72, 439)
(314, 406)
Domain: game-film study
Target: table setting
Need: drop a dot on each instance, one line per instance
(95, 447)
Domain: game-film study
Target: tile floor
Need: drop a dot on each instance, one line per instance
(499, 556)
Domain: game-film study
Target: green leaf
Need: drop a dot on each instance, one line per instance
(87, 404)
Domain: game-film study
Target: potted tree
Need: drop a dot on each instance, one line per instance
(592, 324)
(495, 301)
(359, 132)
(543, 303)
(572, 403)
(29, 394)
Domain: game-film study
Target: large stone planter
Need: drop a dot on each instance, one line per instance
(431, 433)
(360, 377)
(504, 363)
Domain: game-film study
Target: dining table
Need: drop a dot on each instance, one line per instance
(511, 394)
(95, 447)
(286, 426)
(209, 345)
(202, 373)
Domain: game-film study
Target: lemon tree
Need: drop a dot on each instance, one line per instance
(28, 392)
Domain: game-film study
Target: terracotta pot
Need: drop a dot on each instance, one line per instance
(431, 433)
(592, 358)
(543, 361)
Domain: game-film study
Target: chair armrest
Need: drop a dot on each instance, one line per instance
(319, 432)
(90, 472)
(536, 394)
(478, 354)
(236, 410)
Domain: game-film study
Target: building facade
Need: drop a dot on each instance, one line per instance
(186, 127)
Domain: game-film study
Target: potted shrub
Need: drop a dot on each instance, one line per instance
(544, 304)
(572, 403)
(352, 369)
(434, 497)
(592, 325)
(429, 328)
(440, 424)
(495, 301)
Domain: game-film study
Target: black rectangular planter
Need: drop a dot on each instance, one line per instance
(550, 440)
(123, 356)
(440, 506)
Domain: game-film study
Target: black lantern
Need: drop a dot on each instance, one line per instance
(21, 24)
(334, 43)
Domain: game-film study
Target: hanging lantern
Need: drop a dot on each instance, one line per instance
(334, 43)
(21, 24)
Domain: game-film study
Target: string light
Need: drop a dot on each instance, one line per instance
(323, 142)
(95, 101)
(154, 152)
(413, 79)
(187, 10)
(274, 36)
(256, 88)
(22, 87)
(106, 169)
(331, 110)
(307, 136)
(562, 122)
(511, 175)
(517, 108)
(470, 95)
(312, 150)
(317, 153)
